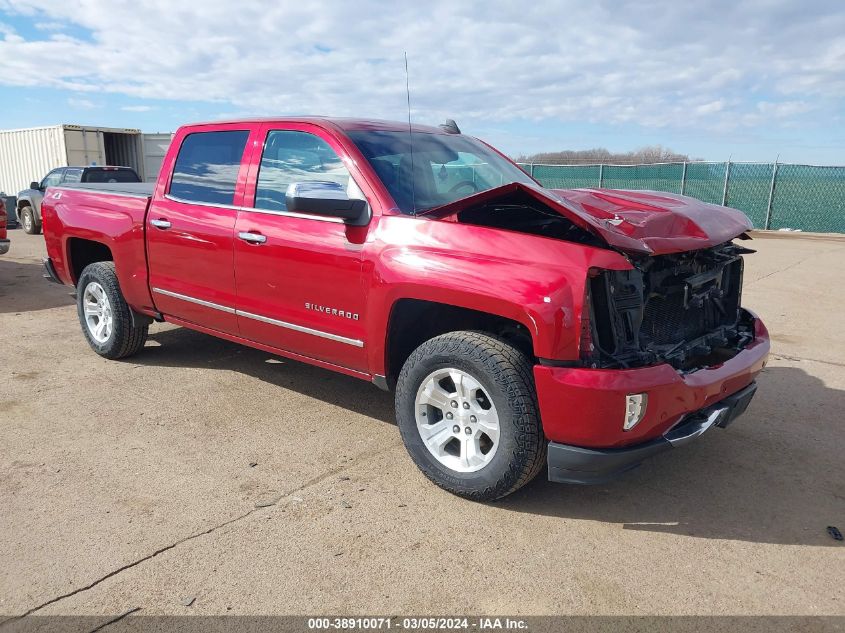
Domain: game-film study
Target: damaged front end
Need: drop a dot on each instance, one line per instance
(683, 309)
(680, 304)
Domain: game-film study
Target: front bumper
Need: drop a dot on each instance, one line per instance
(4, 246)
(578, 465)
(580, 406)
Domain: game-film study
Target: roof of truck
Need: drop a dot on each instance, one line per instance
(342, 123)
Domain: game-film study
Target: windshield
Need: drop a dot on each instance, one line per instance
(445, 168)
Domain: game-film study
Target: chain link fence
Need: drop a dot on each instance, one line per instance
(773, 195)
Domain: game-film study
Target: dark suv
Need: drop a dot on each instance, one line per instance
(29, 200)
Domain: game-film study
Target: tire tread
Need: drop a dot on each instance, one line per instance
(509, 367)
(131, 339)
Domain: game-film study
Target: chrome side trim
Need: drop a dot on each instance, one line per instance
(301, 328)
(257, 317)
(231, 207)
(207, 304)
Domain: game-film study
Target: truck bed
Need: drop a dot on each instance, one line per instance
(109, 214)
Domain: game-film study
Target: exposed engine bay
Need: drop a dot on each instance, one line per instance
(682, 309)
(520, 212)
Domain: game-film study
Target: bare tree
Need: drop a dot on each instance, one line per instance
(649, 154)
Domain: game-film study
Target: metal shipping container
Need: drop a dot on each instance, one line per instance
(155, 147)
(27, 155)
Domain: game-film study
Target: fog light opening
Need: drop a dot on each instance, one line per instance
(635, 406)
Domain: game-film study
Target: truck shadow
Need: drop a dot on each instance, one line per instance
(775, 476)
(23, 289)
(182, 347)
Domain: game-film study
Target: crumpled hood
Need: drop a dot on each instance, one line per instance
(660, 222)
(649, 222)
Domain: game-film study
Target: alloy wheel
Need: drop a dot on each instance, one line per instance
(457, 421)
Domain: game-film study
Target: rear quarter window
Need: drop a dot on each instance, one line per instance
(110, 175)
(207, 166)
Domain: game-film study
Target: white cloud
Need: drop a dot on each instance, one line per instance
(709, 108)
(137, 108)
(783, 109)
(81, 104)
(649, 63)
(51, 26)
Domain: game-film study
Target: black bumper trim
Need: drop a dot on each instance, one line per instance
(50, 271)
(577, 465)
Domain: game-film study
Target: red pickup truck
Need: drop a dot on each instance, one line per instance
(518, 325)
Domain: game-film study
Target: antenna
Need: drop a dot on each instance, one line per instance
(410, 138)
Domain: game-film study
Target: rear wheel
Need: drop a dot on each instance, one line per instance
(105, 317)
(30, 224)
(467, 412)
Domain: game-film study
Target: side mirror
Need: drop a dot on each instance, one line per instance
(35, 185)
(326, 198)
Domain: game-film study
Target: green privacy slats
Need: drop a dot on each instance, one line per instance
(748, 190)
(809, 198)
(805, 197)
(572, 177)
(705, 181)
(662, 177)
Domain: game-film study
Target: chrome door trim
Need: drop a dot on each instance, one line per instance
(289, 214)
(207, 304)
(202, 204)
(293, 214)
(161, 223)
(257, 317)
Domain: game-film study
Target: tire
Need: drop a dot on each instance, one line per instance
(29, 222)
(118, 338)
(494, 375)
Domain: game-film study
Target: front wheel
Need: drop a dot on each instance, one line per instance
(467, 411)
(30, 224)
(105, 317)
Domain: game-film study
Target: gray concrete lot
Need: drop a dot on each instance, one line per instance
(129, 484)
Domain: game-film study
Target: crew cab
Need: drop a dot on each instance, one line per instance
(518, 326)
(29, 200)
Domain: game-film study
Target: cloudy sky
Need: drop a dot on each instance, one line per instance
(712, 79)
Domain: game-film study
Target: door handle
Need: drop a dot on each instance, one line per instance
(252, 238)
(161, 223)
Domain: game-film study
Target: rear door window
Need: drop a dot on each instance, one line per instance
(72, 175)
(206, 169)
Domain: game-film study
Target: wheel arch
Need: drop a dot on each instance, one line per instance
(412, 321)
(32, 203)
(81, 252)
